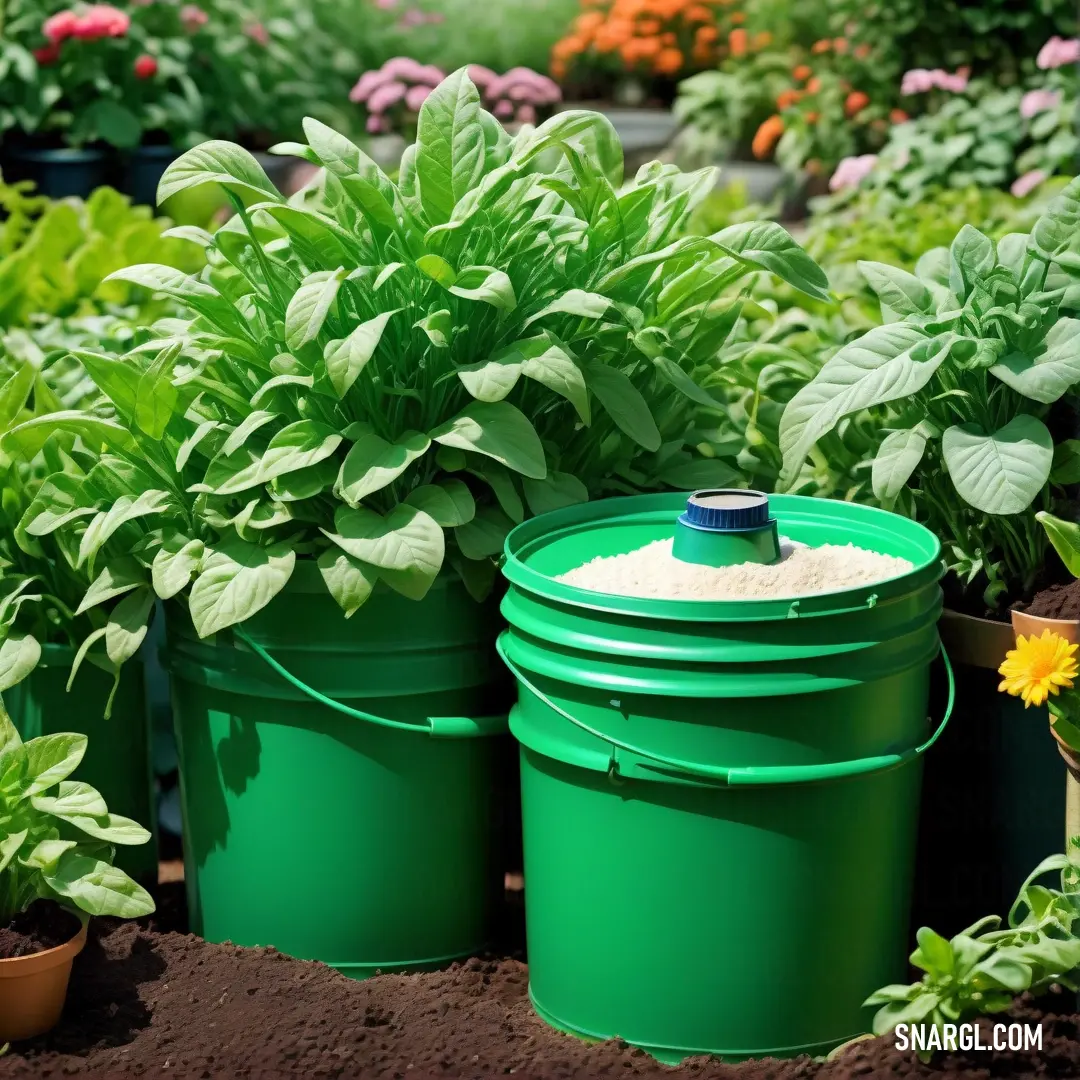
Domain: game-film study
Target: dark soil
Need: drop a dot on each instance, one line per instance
(43, 925)
(144, 1002)
(1057, 602)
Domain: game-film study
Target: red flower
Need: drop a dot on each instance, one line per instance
(60, 26)
(47, 55)
(146, 67)
(258, 33)
(855, 102)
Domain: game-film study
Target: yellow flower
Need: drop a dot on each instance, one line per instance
(1038, 667)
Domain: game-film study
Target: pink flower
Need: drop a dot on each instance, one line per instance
(1037, 101)
(412, 17)
(504, 109)
(61, 26)
(101, 21)
(374, 124)
(955, 84)
(192, 17)
(852, 171)
(481, 76)
(430, 74)
(415, 96)
(526, 114)
(916, 81)
(436, 17)
(1058, 52)
(405, 67)
(258, 33)
(1026, 184)
(367, 82)
(382, 98)
(385, 4)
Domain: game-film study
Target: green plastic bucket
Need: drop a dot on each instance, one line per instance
(719, 799)
(337, 776)
(117, 760)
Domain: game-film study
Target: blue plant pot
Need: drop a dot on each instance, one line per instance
(145, 166)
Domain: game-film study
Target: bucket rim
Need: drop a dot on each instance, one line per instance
(532, 535)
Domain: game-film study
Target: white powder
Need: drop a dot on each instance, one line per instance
(653, 572)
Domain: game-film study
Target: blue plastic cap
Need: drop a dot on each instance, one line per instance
(727, 509)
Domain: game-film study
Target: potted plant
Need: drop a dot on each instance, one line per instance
(57, 842)
(368, 389)
(973, 356)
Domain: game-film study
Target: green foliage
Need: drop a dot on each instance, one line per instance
(972, 354)
(386, 377)
(57, 836)
(981, 970)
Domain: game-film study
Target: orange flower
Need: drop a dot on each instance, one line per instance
(698, 13)
(863, 51)
(762, 40)
(898, 116)
(803, 71)
(767, 136)
(813, 117)
(787, 98)
(587, 23)
(649, 27)
(669, 40)
(701, 54)
(737, 42)
(706, 34)
(840, 45)
(822, 46)
(813, 86)
(855, 102)
(737, 18)
(668, 62)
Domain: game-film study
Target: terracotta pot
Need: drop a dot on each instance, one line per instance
(981, 643)
(33, 989)
(1034, 625)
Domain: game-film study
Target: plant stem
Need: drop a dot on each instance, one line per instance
(1072, 812)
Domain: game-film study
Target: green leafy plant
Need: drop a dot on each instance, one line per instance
(57, 836)
(981, 970)
(972, 355)
(385, 378)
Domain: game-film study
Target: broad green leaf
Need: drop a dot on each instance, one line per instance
(75, 798)
(449, 158)
(88, 643)
(19, 655)
(1001, 472)
(588, 305)
(771, 247)
(189, 445)
(559, 489)
(295, 446)
(407, 545)
(558, 371)
(498, 430)
(105, 523)
(52, 758)
(700, 473)
(98, 888)
(26, 440)
(310, 305)
(216, 162)
(1065, 537)
(897, 458)
(372, 463)
(155, 395)
(188, 289)
(9, 846)
(1059, 225)
(449, 503)
(14, 393)
(623, 402)
(684, 383)
(437, 268)
(45, 853)
(127, 625)
(492, 379)
(492, 287)
(484, 535)
(349, 581)
(237, 580)
(900, 293)
(247, 427)
(438, 326)
(1049, 373)
(872, 370)
(176, 562)
(120, 576)
(971, 256)
(345, 358)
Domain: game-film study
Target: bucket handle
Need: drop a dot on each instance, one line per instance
(751, 775)
(438, 727)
